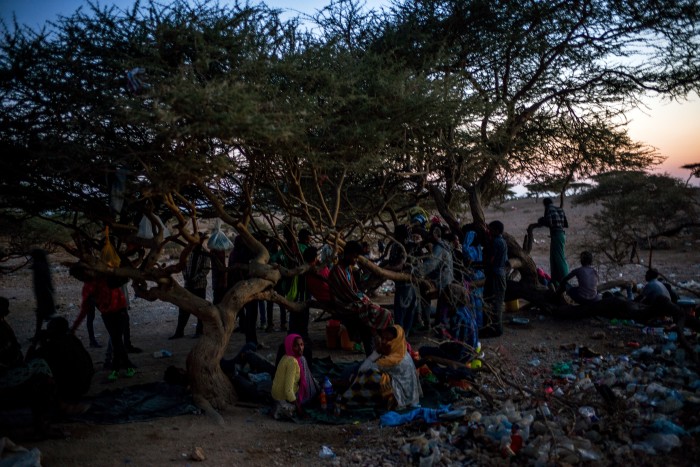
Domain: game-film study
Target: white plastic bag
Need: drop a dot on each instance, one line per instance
(146, 228)
(218, 240)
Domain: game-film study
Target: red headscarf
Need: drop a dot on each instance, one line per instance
(289, 351)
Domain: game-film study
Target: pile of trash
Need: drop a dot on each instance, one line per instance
(597, 408)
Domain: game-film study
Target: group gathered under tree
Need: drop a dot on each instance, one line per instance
(151, 120)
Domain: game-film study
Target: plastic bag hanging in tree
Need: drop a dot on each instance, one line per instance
(146, 228)
(109, 254)
(218, 240)
(117, 190)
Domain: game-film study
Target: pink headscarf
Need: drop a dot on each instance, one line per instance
(289, 351)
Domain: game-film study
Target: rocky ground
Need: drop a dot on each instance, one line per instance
(580, 391)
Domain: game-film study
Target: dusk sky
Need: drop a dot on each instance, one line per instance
(673, 128)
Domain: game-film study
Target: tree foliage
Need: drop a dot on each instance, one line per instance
(637, 208)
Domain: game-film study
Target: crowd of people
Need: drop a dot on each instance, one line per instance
(467, 270)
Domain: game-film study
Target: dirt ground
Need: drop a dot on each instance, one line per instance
(250, 436)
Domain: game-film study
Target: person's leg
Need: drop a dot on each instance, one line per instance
(37, 328)
(201, 293)
(269, 311)
(299, 323)
(113, 323)
(90, 323)
(262, 314)
(108, 351)
(411, 309)
(249, 322)
(557, 256)
(283, 318)
(182, 318)
(499, 295)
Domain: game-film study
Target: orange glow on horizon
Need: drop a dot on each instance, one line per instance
(673, 129)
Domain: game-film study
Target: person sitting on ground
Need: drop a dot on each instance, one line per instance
(653, 290)
(368, 317)
(388, 376)
(70, 363)
(293, 385)
(24, 384)
(587, 290)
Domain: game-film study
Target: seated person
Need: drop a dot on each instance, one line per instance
(293, 385)
(370, 317)
(24, 384)
(654, 289)
(70, 363)
(587, 290)
(387, 377)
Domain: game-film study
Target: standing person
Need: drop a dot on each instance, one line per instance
(282, 287)
(195, 275)
(439, 268)
(405, 295)
(304, 240)
(587, 290)
(243, 255)
(43, 289)
(218, 275)
(475, 237)
(498, 274)
(111, 303)
(555, 218)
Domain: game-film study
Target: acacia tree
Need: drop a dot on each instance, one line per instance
(522, 65)
(181, 113)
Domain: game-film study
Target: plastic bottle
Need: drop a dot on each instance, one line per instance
(327, 386)
(324, 401)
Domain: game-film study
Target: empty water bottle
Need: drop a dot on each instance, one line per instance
(327, 386)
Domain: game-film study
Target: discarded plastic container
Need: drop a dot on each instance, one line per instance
(162, 353)
(588, 412)
(326, 453)
(259, 377)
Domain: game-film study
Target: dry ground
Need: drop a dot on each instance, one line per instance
(251, 437)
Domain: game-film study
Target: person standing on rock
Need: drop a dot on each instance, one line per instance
(555, 218)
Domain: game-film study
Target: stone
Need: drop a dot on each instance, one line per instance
(197, 454)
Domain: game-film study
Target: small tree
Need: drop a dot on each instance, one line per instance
(637, 208)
